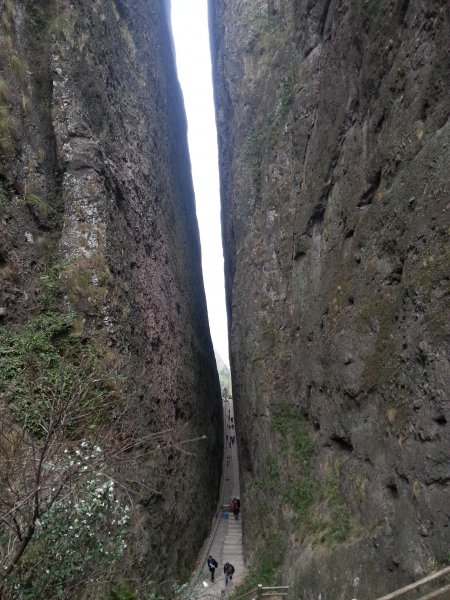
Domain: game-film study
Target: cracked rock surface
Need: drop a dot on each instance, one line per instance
(334, 157)
(94, 170)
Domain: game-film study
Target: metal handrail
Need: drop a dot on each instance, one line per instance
(413, 586)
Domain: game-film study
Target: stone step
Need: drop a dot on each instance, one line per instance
(227, 543)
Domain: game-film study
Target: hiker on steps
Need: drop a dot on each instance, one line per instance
(235, 507)
(228, 569)
(212, 566)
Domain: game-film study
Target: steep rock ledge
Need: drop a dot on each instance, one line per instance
(334, 159)
(95, 175)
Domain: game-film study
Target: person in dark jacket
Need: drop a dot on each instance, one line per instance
(212, 566)
(228, 569)
(235, 506)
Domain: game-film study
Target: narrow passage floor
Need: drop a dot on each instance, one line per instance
(225, 541)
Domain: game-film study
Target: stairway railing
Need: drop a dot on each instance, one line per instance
(262, 591)
(434, 577)
(442, 593)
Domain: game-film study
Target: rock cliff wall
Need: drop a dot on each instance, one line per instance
(95, 178)
(334, 157)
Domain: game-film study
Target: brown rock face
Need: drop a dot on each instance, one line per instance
(334, 157)
(95, 175)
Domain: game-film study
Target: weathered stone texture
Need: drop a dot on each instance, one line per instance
(334, 156)
(95, 169)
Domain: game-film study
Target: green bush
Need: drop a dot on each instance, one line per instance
(4, 90)
(8, 128)
(39, 205)
(18, 66)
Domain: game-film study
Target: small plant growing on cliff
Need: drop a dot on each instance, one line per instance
(18, 66)
(293, 434)
(38, 205)
(8, 9)
(4, 91)
(301, 496)
(86, 280)
(8, 128)
(35, 13)
(284, 104)
(251, 154)
(7, 123)
(6, 43)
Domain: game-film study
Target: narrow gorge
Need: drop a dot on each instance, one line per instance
(334, 158)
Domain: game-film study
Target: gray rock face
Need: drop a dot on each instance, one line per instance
(334, 156)
(94, 169)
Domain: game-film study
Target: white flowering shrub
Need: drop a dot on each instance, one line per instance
(79, 536)
(62, 523)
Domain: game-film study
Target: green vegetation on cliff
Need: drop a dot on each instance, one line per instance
(47, 357)
(62, 520)
(265, 567)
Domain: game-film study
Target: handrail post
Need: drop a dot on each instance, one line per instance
(259, 591)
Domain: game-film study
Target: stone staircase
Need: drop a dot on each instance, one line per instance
(225, 540)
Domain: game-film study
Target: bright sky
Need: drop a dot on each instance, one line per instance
(191, 38)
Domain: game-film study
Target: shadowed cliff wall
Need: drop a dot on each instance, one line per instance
(94, 170)
(334, 160)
